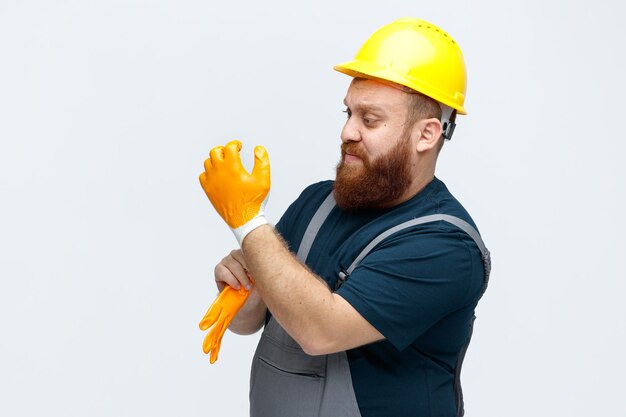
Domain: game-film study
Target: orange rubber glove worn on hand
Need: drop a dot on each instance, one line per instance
(239, 197)
(219, 315)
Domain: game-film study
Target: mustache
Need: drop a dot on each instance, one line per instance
(353, 149)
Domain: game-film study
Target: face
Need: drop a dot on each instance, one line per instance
(377, 151)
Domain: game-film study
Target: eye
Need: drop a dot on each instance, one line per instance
(370, 120)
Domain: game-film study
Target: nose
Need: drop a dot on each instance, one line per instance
(350, 131)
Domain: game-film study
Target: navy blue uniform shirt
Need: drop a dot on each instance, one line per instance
(418, 288)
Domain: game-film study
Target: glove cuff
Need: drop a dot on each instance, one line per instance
(241, 231)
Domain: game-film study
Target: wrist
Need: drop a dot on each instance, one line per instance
(242, 231)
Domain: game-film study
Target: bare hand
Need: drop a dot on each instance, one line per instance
(232, 271)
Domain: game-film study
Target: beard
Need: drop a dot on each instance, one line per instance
(373, 184)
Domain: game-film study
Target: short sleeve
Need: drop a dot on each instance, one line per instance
(411, 281)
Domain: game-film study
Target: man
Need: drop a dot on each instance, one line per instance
(373, 315)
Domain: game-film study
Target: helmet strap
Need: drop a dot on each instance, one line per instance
(448, 116)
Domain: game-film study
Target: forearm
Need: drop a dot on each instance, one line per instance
(300, 301)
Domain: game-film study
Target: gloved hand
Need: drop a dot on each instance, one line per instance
(219, 315)
(239, 197)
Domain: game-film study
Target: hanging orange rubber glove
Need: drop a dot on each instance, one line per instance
(236, 195)
(219, 315)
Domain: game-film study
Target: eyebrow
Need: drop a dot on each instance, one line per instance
(366, 107)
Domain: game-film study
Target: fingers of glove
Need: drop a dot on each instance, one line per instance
(218, 334)
(228, 302)
(261, 168)
(213, 356)
(232, 157)
(207, 164)
(216, 309)
(211, 315)
(212, 341)
(232, 149)
(207, 343)
(217, 345)
(216, 154)
(209, 340)
(202, 179)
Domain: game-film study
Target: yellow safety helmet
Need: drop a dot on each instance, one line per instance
(416, 54)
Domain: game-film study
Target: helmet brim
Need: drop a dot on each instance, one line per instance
(362, 69)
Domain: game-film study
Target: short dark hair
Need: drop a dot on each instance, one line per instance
(422, 107)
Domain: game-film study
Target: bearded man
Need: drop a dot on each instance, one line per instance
(366, 287)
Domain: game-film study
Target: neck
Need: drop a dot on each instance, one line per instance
(416, 186)
(423, 174)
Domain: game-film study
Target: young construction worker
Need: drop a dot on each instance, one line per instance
(366, 287)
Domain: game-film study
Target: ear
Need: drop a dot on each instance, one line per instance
(428, 132)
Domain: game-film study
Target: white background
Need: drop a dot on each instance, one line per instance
(107, 242)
